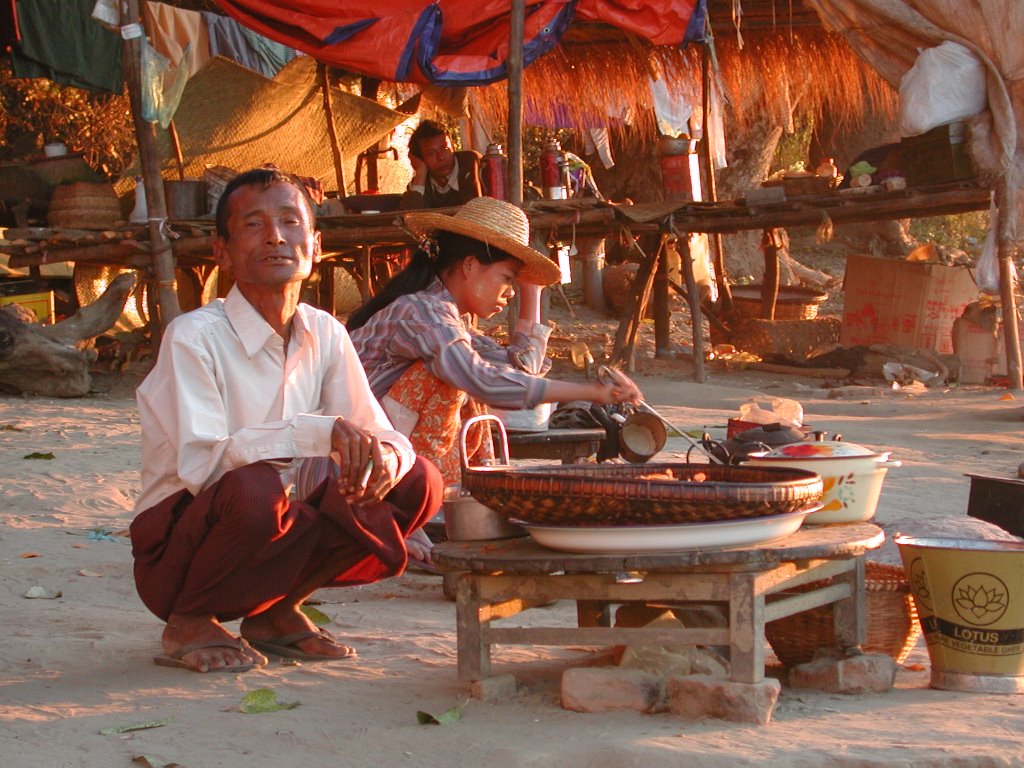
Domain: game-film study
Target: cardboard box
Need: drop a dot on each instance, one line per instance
(982, 351)
(40, 304)
(905, 303)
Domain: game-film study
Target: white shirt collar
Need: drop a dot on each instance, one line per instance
(253, 331)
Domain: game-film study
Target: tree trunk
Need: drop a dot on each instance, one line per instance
(750, 153)
(53, 361)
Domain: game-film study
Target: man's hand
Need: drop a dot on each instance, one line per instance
(419, 170)
(368, 469)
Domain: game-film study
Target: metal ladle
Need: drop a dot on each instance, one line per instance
(606, 373)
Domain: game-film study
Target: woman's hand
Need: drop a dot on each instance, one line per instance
(617, 387)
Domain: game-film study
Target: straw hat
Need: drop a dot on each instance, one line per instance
(496, 223)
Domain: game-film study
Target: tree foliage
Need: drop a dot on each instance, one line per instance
(36, 111)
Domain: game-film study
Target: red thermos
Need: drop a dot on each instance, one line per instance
(495, 172)
(553, 172)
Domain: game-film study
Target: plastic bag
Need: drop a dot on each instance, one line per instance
(986, 274)
(777, 411)
(946, 83)
(162, 84)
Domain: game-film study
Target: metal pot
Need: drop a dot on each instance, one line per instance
(852, 476)
(466, 519)
(683, 145)
(186, 198)
(641, 436)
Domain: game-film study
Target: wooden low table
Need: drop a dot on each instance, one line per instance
(565, 445)
(499, 579)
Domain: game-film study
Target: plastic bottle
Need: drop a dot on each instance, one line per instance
(827, 168)
(141, 213)
(553, 171)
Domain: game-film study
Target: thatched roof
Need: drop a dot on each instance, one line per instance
(775, 74)
(776, 61)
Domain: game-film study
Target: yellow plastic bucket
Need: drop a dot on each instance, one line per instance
(970, 602)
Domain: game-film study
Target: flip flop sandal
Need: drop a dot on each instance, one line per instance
(177, 661)
(422, 566)
(287, 647)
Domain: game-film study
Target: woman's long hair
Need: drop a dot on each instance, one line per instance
(452, 250)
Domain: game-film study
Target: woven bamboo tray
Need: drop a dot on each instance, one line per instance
(640, 494)
(794, 302)
(892, 626)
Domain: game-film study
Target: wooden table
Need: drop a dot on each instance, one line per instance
(565, 445)
(499, 579)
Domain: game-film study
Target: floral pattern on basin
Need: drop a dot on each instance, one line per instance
(839, 492)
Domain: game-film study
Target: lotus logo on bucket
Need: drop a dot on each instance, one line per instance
(980, 598)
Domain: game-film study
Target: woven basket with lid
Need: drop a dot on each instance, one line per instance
(640, 494)
(892, 626)
(83, 205)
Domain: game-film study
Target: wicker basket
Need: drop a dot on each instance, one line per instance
(640, 494)
(83, 206)
(892, 626)
(792, 339)
(794, 302)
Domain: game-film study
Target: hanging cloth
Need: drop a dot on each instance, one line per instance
(61, 41)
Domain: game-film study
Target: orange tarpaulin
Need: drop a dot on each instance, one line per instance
(452, 42)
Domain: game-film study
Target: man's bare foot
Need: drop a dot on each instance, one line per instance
(214, 647)
(420, 546)
(282, 621)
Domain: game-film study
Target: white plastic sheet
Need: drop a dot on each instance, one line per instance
(946, 83)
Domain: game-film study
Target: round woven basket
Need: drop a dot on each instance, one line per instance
(82, 205)
(640, 494)
(892, 626)
(793, 302)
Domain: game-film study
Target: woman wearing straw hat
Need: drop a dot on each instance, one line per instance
(428, 366)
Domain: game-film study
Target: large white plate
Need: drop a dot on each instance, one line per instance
(671, 538)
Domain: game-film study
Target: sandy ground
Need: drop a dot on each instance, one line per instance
(77, 664)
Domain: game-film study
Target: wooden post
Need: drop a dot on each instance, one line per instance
(771, 244)
(179, 158)
(332, 133)
(696, 315)
(1007, 202)
(711, 194)
(149, 160)
(660, 307)
(517, 25)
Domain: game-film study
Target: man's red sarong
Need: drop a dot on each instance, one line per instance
(241, 545)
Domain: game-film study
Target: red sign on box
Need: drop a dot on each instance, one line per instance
(905, 303)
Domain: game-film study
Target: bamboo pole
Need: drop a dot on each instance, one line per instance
(179, 158)
(149, 160)
(711, 194)
(693, 300)
(517, 26)
(1007, 201)
(332, 131)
